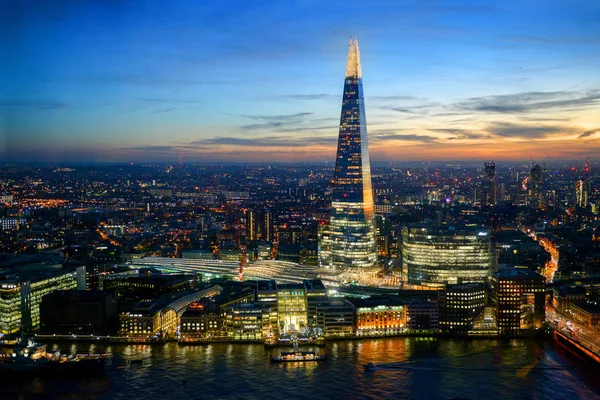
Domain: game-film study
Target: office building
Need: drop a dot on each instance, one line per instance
(422, 315)
(79, 312)
(250, 225)
(22, 290)
(348, 241)
(536, 181)
(459, 305)
(518, 296)
(435, 256)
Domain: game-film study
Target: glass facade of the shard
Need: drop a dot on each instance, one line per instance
(348, 240)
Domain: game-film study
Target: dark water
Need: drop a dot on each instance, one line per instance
(432, 369)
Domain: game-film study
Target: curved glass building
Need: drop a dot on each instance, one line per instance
(440, 255)
(348, 241)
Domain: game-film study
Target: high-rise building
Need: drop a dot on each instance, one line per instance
(348, 241)
(490, 170)
(489, 190)
(439, 255)
(536, 180)
(250, 225)
(582, 192)
(583, 187)
(266, 226)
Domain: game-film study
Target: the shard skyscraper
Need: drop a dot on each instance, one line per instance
(348, 240)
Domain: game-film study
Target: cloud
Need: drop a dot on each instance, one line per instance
(392, 134)
(165, 100)
(269, 141)
(310, 128)
(283, 118)
(319, 96)
(165, 110)
(589, 133)
(507, 129)
(531, 101)
(271, 122)
(561, 39)
(419, 109)
(460, 133)
(392, 97)
(37, 104)
(150, 148)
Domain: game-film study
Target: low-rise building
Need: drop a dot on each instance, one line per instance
(587, 314)
(422, 315)
(161, 317)
(202, 320)
(518, 296)
(379, 316)
(459, 305)
(247, 321)
(564, 296)
(79, 312)
(335, 318)
(145, 288)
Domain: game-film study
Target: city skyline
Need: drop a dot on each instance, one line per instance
(92, 82)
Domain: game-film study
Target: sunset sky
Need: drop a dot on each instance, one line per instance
(261, 81)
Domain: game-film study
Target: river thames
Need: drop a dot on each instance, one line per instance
(411, 368)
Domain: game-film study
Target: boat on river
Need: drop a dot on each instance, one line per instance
(298, 356)
(33, 359)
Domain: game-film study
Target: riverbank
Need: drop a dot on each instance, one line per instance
(427, 335)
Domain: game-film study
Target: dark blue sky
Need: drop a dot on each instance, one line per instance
(262, 80)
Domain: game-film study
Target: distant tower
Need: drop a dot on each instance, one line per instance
(490, 170)
(267, 226)
(250, 226)
(131, 159)
(582, 186)
(349, 238)
(490, 183)
(536, 181)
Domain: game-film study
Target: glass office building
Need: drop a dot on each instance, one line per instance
(439, 255)
(348, 240)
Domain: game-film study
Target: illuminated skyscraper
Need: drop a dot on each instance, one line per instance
(489, 184)
(250, 225)
(348, 241)
(536, 181)
(583, 186)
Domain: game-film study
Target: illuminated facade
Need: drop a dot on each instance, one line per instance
(348, 241)
(518, 296)
(380, 320)
(536, 182)
(439, 255)
(292, 308)
(248, 322)
(162, 317)
(20, 298)
(583, 188)
(459, 305)
(335, 318)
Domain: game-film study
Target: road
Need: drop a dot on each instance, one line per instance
(579, 333)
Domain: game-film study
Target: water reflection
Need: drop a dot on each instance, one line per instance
(431, 369)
